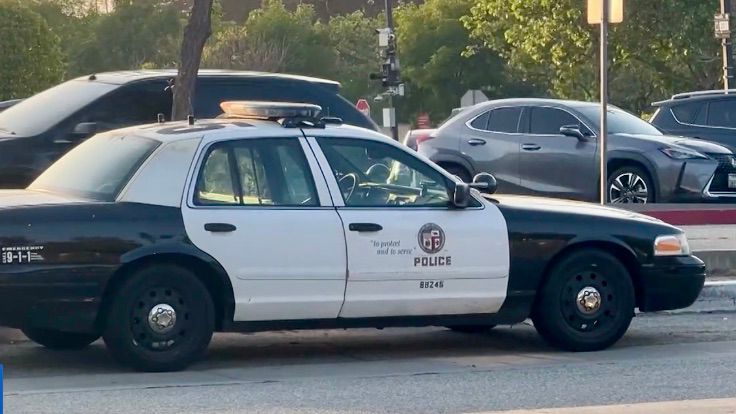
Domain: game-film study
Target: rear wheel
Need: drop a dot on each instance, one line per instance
(458, 171)
(59, 340)
(587, 302)
(161, 319)
(471, 328)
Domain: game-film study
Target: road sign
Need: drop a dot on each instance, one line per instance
(615, 11)
(364, 107)
(722, 25)
(473, 97)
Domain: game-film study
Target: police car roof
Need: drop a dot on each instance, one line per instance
(245, 128)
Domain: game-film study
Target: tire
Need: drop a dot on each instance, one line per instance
(564, 322)
(625, 185)
(179, 335)
(458, 171)
(57, 340)
(471, 328)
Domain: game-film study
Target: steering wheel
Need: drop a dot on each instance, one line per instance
(347, 184)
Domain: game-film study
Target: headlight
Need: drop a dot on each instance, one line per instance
(683, 154)
(671, 245)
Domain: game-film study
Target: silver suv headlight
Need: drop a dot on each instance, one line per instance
(671, 245)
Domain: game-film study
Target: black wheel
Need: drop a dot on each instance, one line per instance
(587, 302)
(458, 171)
(58, 340)
(161, 319)
(471, 328)
(630, 184)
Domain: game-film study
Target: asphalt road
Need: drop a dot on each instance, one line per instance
(432, 370)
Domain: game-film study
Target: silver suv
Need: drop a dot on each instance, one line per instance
(549, 147)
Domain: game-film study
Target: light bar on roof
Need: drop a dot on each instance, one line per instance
(269, 110)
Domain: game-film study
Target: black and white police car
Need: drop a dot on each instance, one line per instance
(270, 217)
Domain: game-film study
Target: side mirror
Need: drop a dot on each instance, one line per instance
(85, 129)
(485, 183)
(572, 131)
(461, 195)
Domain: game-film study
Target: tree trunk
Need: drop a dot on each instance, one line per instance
(196, 33)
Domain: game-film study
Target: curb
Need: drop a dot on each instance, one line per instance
(716, 296)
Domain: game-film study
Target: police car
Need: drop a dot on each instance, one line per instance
(270, 218)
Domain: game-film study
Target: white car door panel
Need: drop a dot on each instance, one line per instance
(284, 262)
(423, 260)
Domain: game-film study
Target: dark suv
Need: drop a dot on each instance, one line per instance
(709, 115)
(40, 129)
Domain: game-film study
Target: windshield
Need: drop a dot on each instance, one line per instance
(98, 168)
(619, 121)
(46, 109)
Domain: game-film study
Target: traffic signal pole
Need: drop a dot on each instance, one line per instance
(727, 50)
(604, 102)
(391, 54)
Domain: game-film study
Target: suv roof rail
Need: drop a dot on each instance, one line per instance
(702, 93)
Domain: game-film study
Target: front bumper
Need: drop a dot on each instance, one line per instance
(670, 283)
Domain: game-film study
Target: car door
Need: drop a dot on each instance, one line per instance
(492, 142)
(410, 252)
(257, 208)
(553, 164)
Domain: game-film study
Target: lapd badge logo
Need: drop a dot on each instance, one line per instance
(431, 238)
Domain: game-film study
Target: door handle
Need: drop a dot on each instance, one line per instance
(530, 147)
(220, 227)
(476, 141)
(365, 227)
(62, 141)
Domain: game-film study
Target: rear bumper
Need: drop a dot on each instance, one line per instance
(670, 283)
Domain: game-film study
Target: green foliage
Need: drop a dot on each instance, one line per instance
(31, 55)
(661, 47)
(431, 44)
(274, 38)
(137, 34)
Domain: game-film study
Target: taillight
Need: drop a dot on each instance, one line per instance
(422, 138)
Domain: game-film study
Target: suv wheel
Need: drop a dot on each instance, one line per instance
(630, 184)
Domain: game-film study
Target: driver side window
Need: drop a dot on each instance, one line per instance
(374, 174)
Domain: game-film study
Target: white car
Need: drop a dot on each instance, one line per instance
(154, 237)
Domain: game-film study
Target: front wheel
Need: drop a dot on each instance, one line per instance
(58, 340)
(630, 184)
(587, 302)
(161, 319)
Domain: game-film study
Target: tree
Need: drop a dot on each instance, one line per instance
(31, 54)
(276, 39)
(196, 33)
(661, 47)
(431, 44)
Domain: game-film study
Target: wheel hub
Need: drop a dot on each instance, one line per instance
(162, 318)
(628, 188)
(588, 300)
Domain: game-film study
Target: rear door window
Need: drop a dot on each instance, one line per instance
(689, 113)
(722, 113)
(481, 122)
(504, 120)
(134, 104)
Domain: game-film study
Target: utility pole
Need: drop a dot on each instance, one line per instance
(390, 74)
(604, 101)
(723, 32)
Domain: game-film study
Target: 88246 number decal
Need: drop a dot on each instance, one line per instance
(431, 284)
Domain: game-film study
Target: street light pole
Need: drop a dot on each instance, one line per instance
(604, 101)
(727, 48)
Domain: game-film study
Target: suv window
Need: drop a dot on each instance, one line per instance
(722, 113)
(375, 174)
(481, 122)
(134, 104)
(547, 121)
(258, 172)
(505, 120)
(687, 113)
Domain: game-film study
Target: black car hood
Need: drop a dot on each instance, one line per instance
(691, 143)
(570, 208)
